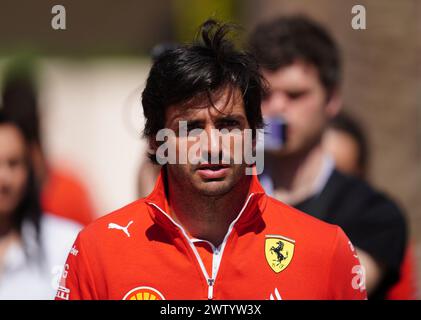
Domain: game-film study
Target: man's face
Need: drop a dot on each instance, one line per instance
(203, 177)
(13, 169)
(297, 95)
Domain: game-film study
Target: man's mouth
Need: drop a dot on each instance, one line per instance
(212, 171)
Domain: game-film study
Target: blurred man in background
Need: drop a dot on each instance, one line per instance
(33, 245)
(301, 63)
(346, 142)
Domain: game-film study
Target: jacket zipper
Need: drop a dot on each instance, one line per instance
(217, 254)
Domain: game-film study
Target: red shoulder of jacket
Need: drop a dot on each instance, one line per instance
(128, 221)
(318, 246)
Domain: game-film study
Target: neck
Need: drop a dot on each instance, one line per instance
(207, 217)
(294, 175)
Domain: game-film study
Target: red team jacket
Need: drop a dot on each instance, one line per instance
(271, 251)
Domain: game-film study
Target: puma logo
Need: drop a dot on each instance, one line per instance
(118, 227)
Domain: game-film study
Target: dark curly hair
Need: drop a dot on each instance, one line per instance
(198, 70)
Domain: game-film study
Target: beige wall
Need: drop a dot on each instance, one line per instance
(92, 122)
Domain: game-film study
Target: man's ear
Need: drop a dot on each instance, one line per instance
(334, 105)
(152, 144)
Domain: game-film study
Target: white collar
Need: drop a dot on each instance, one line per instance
(328, 165)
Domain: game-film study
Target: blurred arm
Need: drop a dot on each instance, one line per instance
(373, 270)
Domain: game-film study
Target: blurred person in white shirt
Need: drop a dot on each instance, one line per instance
(33, 245)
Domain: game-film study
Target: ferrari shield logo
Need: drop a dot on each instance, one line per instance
(279, 251)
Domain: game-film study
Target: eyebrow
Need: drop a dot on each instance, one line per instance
(235, 116)
(238, 117)
(301, 90)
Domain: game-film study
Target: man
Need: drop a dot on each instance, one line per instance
(302, 65)
(208, 230)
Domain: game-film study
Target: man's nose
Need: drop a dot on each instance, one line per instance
(211, 144)
(276, 104)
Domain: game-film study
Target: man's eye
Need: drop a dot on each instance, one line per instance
(229, 124)
(190, 129)
(188, 126)
(193, 126)
(295, 95)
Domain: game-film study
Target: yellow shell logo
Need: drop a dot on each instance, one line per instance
(143, 293)
(279, 251)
